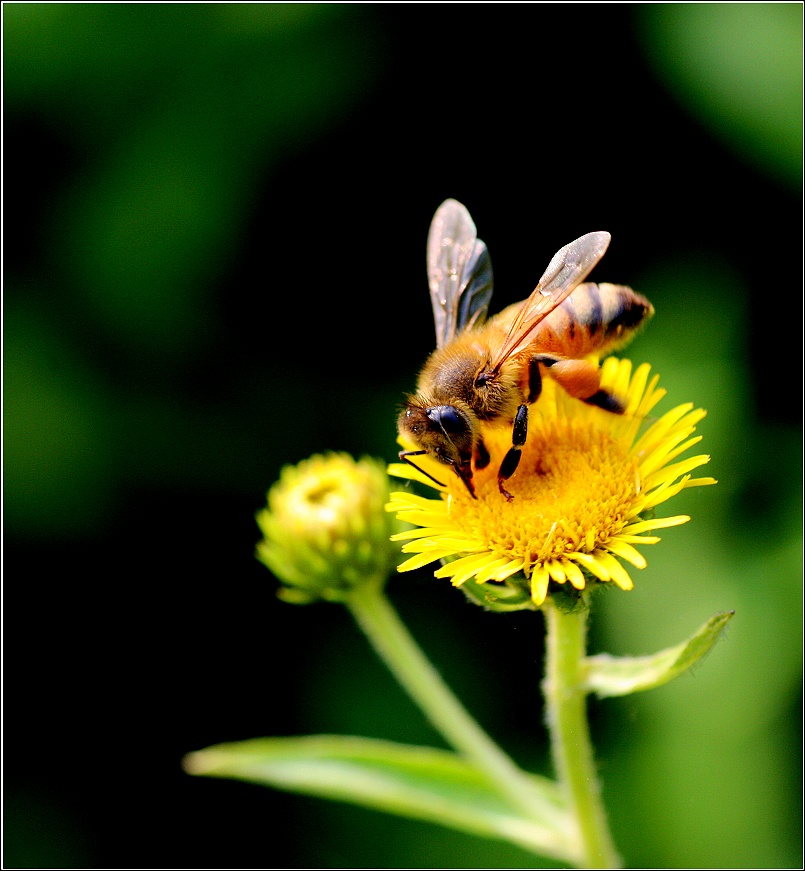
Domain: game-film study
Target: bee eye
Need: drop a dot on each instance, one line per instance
(448, 418)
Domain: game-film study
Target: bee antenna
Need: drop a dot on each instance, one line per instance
(406, 457)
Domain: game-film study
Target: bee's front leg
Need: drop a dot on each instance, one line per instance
(512, 458)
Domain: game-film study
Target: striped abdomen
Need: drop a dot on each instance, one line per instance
(595, 318)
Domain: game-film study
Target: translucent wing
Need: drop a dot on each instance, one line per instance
(568, 268)
(459, 272)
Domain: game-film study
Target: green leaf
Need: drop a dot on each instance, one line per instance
(620, 675)
(420, 782)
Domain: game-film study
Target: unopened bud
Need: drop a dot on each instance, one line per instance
(325, 530)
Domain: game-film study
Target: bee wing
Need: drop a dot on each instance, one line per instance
(568, 268)
(459, 272)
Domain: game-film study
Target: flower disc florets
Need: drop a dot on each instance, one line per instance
(324, 528)
(584, 494)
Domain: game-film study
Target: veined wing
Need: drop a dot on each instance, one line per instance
(568, 268)
(459, 272)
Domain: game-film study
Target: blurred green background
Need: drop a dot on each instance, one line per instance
(214, 240)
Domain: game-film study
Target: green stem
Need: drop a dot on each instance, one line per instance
(408, 663)
(565, 698)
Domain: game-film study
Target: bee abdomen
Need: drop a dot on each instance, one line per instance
(594, 318)
(626, 311)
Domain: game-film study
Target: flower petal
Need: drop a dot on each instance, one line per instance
(593, 566)
(510, 568)
(539, 584)
(700, 482)
(663, 493)
(626, 551)
(418, 532)
(422, 559)
(488, 571)
(657, 431)
(425, 518)
(556, 571)
(616, 571)
(670, 473)
(412, 500)
(463, 568)
(662, 453)
(574, 574)
(655, 523)
(638, 539)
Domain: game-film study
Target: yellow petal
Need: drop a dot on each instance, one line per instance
(655, 434)
(574, 574)
(659, 456)
(663, 493)
(512, 567)
(422, 559)
(424, 518)
(419, 532)
(463, 568)
(616, 571)
(593, 566)
(700, 482)
(670, 473)
(627, 552)
(638, 539)
(488, 571)
(656, 523)
(539, 585)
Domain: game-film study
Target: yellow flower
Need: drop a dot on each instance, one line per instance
(324, 528)
(584, 492)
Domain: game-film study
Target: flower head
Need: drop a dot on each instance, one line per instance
(585, 492)
(324, 528)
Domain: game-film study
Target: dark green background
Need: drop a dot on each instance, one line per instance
(214, 239)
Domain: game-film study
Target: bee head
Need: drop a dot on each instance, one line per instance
(445, 431)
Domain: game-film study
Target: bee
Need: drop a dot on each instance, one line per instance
(489, 372)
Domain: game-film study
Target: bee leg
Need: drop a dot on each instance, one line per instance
(512, 458)
(607, 401)
(582, 380)
(464, 472)
(482, 457)
(535, 377)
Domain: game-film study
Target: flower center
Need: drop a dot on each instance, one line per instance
(572, 491)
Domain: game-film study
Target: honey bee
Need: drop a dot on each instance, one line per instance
(487, 372)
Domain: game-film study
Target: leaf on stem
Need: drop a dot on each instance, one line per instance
(620, 675)
(420, 782)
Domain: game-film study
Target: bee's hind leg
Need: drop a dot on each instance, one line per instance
(582, 380)
(607, 401)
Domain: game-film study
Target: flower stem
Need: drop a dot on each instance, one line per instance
(565, 698)
(398, 649)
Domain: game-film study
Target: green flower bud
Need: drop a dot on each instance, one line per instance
(325, 530)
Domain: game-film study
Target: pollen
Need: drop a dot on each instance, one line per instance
(573, 490)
